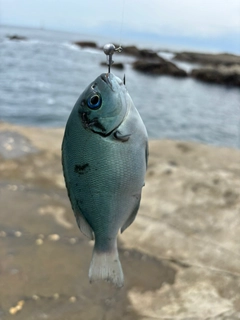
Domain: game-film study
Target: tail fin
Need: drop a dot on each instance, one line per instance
(106, 266)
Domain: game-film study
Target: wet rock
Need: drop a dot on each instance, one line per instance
(148, 54)
(117, 65)
(180, 257)
(158, 67)
(205, 58)
(220, 75)
(131, 50)
(86, 44)
(172, 163)
(53, 272)
(184, 147)
(14, 145)
(140, 53)
(31, 167)
(16, 37)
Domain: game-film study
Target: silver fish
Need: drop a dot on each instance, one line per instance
(104, 157)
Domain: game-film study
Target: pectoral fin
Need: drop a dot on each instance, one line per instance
(132, 216)
(121, 136)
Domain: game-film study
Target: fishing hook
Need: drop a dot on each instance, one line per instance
(109, 49)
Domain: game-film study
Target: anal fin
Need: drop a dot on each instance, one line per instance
(83, 224)
(133, 214)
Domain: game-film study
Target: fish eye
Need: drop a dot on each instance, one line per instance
(94, 102)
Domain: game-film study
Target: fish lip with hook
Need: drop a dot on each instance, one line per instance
(109, 49)
(107, 78)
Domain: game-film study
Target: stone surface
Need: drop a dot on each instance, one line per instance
(86, 44)
(181, 256)
(206, 58)
(117, 65)
(16, 37)
(140, 53)
(158, 67)
(221, 74)
(14, 145)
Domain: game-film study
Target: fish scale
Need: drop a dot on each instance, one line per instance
(105, 179)
(104, 155)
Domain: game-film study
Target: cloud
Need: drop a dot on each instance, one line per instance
(200, 18)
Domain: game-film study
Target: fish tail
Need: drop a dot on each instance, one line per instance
(105, 265)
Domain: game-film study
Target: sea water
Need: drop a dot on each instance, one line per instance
(41, 79)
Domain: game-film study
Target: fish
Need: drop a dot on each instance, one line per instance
(104, 159)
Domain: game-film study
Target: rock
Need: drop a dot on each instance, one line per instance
(180, 256)
(118, 65)
(191, 211)
(14, 145)
(86, 44)
(140, 53)
(131, 50)
(220, 75)
(147, 54)
(16, 37)
(206, 58)
(158, 67)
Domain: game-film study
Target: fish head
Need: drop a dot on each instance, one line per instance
(103, 104)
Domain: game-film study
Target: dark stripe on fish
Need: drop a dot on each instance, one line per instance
(80, 168)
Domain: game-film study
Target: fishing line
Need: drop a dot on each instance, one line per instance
(109, 48)
(121, 24)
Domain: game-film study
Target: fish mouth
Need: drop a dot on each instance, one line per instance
(105, 78)
(110, 80)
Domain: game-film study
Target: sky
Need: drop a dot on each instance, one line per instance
(209, 24)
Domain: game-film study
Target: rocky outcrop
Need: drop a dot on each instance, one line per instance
(16, 37)
(131, 50)
(158, 67)
(218, 68)
(117, 65)
(150, 62)
(180, 256)
(220, 75)
(140, 53)
(206, 58)
(86, 44)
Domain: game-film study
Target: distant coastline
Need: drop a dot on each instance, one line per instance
(43, 73)
(162, 40)
(222, 68)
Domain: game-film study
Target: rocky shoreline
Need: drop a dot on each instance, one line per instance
(225, 59)
(221, 75)
(181, 256)
(215, 68)
(221, 68)
(158, 66)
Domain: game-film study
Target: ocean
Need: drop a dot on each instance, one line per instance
(41, 79)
